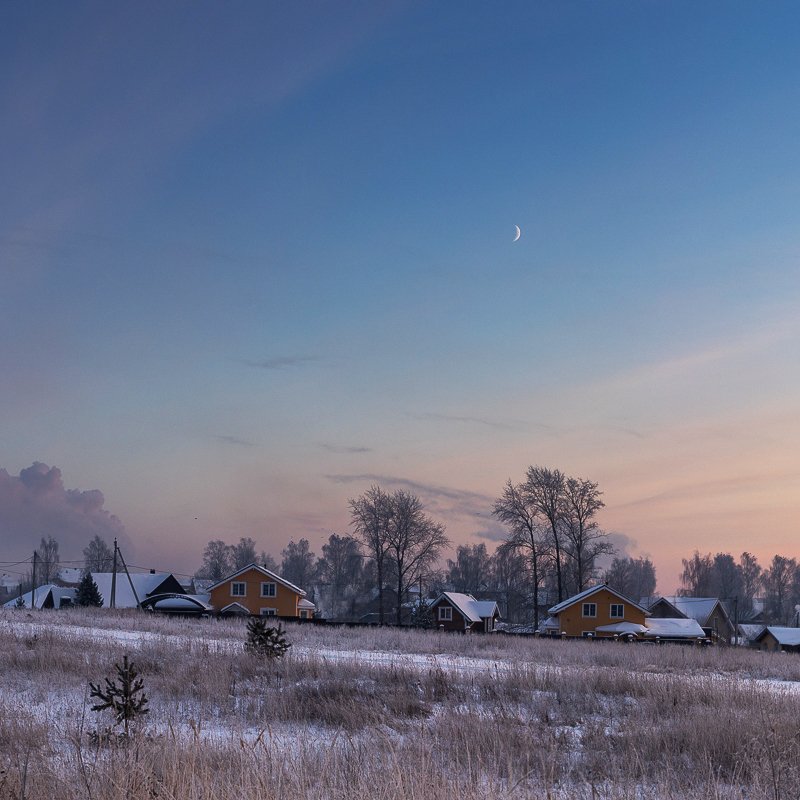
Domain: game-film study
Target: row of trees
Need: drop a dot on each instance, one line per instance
(740, 583)
(550, 518)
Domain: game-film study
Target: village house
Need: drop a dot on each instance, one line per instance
(775, 638)
(599, 611)
(709, 612)
(454, 611)
(257, 591)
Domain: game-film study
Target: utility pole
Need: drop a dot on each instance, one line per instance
(112, 604)
(33, 579)
(130, 580)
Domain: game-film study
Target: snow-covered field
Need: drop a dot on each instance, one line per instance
(388, 713)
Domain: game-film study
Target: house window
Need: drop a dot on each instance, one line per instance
(617, 611)
(590, 609)
(445, 613)
(269, 612)
(238, 589)
(268, 590)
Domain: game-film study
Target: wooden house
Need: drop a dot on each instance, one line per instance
(258, 591)
(776, 639)
(709, 612)
(454, 611)
(599, 611)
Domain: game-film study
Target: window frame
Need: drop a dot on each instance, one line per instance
(445, 613)
(235, 584)
(273, 593)
(620, 606)
(592, 607)
(268, 612)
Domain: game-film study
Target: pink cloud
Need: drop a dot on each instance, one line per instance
(35, 504)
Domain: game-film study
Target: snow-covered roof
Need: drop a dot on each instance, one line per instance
(70, 574)
(622, 627)
(699, 608)
(786, 637)
(470, 608)
(674, 628)
(305, 604)
(750, 631)
(145, 583)
(586, 593)
(264, 571)
(40, 595)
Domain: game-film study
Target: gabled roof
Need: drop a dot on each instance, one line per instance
(699, 608)
(750, 631)
(786, 637)
(586, 593)
(470, 608)
(306, 604)
(40, 595)
(265, 572)
(145, 583)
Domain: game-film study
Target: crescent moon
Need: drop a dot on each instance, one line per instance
(518, 233)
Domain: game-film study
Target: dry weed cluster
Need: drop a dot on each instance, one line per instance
(446, 717)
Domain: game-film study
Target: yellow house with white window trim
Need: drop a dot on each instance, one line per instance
(598, 611)
(257, 591)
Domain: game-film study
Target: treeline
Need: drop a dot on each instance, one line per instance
(392, 557)
(98, 556)
(747, 588)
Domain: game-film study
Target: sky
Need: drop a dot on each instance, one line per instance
(257, 256)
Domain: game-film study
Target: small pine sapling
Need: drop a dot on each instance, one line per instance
(125, 696)
(264, 640)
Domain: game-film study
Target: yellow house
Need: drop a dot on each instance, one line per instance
(598, 611)
(258, 591)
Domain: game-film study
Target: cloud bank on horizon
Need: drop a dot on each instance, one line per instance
(36, 504)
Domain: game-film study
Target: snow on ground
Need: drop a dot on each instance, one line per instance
(449, 663)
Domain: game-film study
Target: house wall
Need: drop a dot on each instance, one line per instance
(718, 623)
(768, 642)
(572, 622)
(458, 623)
(284, 602)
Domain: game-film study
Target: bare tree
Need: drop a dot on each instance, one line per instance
(298, 563)
(267, 561)
(632, 577)
(778, 580)
(752, 578)
(510, 579)
(471, 571)
(414, 542)
(697, 578)
(98, 556)
(369, 516)
(520, 513)
(47, 568)
(727, 578)
(584, 539)
(243, 553)
(544, 493)
(217, 561)
(341, 568)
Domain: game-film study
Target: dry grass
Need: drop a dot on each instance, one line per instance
(390, 714)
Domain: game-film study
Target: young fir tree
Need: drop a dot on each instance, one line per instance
(264, 640)
(124, 697)
(87, 593)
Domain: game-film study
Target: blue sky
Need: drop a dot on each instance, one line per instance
(256, 255)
